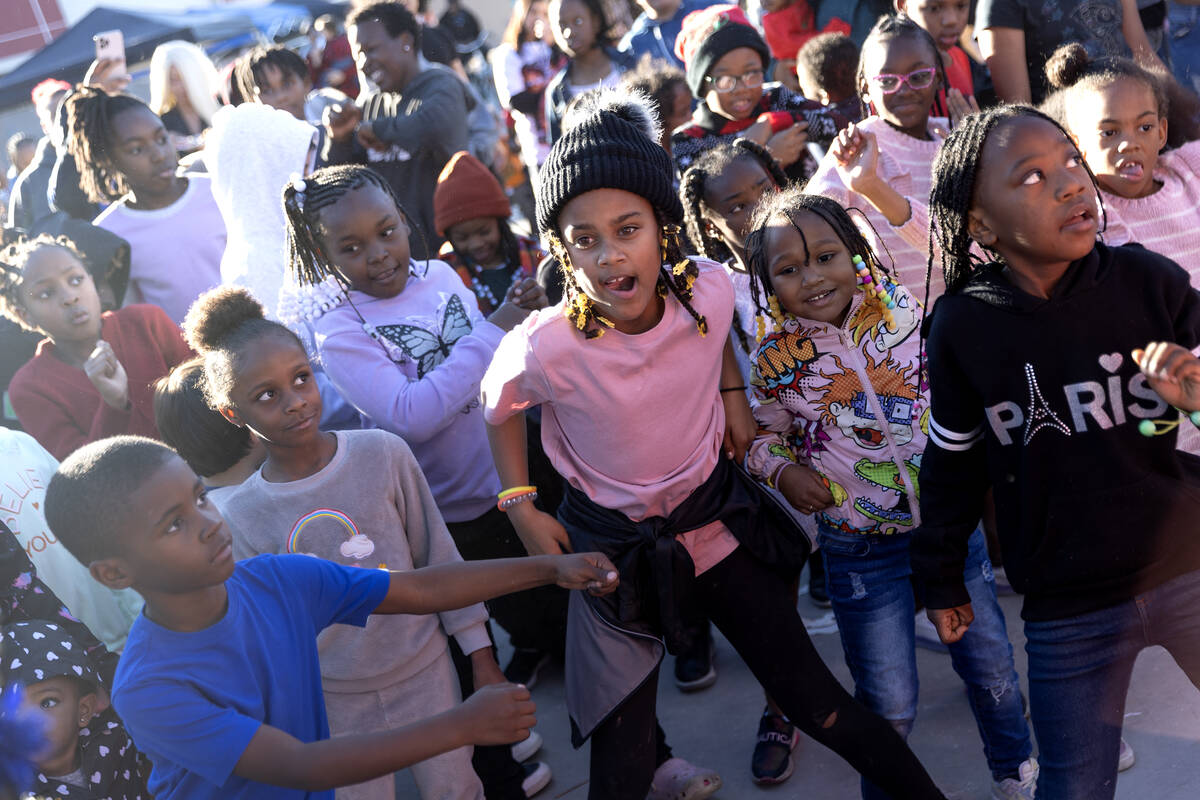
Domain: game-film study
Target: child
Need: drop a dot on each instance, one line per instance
(84, 757)
(410, 127)
(839, 376)
(666, 86)
(522, 65)
(219, 684)
(174, 229)
(726, 63)
(628, 369)
(582, 31)
(276, 76)
(825, 71)
(471, 211)
(1117, 113)
(1035, 395)
(344, 496)
(899, 74)
(407, 346)
(221, 453)
(945, 21)
(25, 472)
(92, 373)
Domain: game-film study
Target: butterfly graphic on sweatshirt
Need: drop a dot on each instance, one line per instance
(429, 348)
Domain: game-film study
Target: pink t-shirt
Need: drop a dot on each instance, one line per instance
(633, 421)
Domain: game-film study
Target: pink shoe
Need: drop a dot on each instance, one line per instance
(676, 779)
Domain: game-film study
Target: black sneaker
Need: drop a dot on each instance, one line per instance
(537, 777)
(695, 668)
(818, 593)
(524, 666)
(772, 761)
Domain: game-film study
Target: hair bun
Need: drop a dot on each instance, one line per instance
(1068, 64)
(631, 105)
(218, 313)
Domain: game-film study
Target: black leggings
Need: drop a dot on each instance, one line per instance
(754, 608)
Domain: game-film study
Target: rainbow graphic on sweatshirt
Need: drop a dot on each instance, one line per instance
(320, 513)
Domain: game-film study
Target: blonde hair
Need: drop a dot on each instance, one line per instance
(197, 71)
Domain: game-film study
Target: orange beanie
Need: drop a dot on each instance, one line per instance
(466, 189)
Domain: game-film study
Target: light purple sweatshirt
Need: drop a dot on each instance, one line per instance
(427, 388)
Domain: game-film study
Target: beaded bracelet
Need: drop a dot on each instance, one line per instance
(514, 499)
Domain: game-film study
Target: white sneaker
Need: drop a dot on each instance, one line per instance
(1020, 787)
(1127, 758)
(676, 779)
(523, 751)
(537, 777)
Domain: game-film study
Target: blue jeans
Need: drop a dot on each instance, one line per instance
(1079, 672)
(869, 581)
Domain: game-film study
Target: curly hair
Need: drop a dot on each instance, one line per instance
(13, 259)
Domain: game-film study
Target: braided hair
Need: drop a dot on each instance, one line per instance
(90, 140)
(13, 259)
(303, 202)
(952, 192)
(709, 165)
(691, 193)
(786, 205)
(677, 276)
(895, 26)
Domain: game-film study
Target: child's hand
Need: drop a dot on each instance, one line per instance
(740, 427)
(509, 315)
(759, 132)
(788, 145)
(341, 120)
(527, 294)
(960, 106)
(856, 154)
(541, 533)
(590, 571)
(804, 489)
(500, 714)
(108, 375)
(1173, 372)
(951, 623)
(484, 669)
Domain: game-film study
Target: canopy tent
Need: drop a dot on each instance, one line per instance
(68, 56)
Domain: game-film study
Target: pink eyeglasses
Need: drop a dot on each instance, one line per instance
(918, 79)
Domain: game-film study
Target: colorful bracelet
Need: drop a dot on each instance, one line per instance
(514, 499)
(515, 490)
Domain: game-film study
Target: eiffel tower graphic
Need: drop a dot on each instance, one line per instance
(1038, 415)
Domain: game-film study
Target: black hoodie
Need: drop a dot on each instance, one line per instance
(1041, 400)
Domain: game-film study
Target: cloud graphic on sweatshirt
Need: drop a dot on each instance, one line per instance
(357, 547)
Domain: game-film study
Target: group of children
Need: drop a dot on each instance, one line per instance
(959, 311)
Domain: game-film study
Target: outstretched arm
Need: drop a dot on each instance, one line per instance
(446, 586)
(494, 715)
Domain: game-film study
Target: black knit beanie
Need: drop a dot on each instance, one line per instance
(708, 35)
(609, 146)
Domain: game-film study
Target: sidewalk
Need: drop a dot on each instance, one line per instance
(716, 728)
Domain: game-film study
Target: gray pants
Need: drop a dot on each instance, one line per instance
(431, 691)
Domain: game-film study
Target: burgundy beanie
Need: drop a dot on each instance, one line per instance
(467, 189)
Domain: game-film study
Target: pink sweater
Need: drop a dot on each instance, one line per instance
(1167, 221)
(905, 163)
(635, 422)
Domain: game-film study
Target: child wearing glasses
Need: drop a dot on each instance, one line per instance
(899, 76)
(726, 61)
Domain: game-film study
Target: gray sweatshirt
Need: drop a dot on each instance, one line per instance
(370, 507)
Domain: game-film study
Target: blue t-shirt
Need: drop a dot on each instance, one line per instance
(193, 701)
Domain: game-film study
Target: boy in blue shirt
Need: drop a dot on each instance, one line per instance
(219, 683)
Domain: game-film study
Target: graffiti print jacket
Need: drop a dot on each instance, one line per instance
(847, 402)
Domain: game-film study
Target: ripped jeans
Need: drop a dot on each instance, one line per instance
(869, 581)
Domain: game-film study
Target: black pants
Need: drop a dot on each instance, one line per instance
(754, 607)
(498, 771)
(535, 619)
